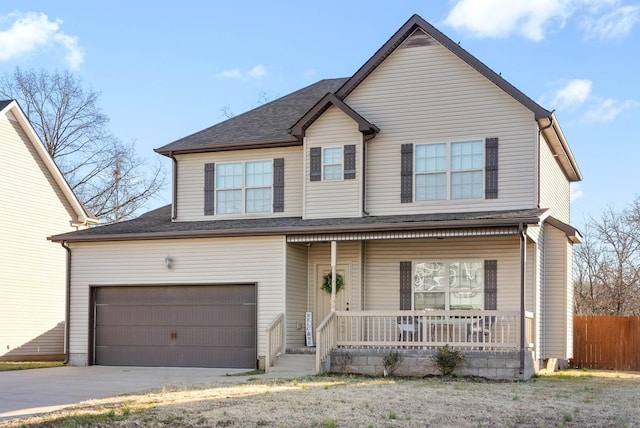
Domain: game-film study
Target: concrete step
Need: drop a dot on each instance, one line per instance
(294, 365)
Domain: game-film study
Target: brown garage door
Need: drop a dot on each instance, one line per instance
(176, 326)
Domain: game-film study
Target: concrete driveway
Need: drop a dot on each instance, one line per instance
(29, 392)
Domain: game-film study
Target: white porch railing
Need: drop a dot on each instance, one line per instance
(325, 339)
(482, 330)
(275, 341)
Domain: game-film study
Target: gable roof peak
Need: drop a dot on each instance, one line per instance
(298, 130)
(408, 29)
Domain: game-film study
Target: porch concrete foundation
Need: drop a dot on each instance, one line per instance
(498, 365)
(79, 360)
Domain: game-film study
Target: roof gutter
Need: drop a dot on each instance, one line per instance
(67, 314)
(301, 230)
(560, 147)
(231, 146)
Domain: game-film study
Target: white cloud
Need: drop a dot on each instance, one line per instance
(310, 74)
(533, 19)
(612, 25)
(574, 93)
(606, 110)
(256, 72)
(576, 192)
(501, 18)
(31, 31)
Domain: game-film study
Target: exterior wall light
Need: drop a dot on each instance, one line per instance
(168, 261)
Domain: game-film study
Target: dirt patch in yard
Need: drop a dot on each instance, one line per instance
(570, 398)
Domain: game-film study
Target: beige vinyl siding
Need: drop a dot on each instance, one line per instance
(555, 190)
(257, 260)
(348, 253)
(426, 94)
(557, 294)
(333, 198)
(191, 181)
(33, 273)
(382, 276)
(297, 294)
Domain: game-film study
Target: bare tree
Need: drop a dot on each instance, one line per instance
(106, 174)
(607, 276)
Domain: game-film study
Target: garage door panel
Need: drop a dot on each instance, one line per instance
(188, 295)
(157, 356)
(126, 315)
(183, 326)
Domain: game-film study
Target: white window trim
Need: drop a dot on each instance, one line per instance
(447, 292)
(341, 163)
(448, 171)
(243, 189)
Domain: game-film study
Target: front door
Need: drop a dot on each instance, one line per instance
(323, 298)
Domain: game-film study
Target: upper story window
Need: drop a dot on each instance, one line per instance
(450, 285)
(244, 187)
(449, 171)
(332, 163)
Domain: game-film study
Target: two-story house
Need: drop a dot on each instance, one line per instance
(36, 202)
(429, 190)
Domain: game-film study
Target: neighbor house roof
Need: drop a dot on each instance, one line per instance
(82, 216)
(157, 224)
(264, 126)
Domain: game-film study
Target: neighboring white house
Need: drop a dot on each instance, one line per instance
(436, 191)
(36, 202)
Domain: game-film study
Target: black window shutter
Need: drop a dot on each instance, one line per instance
(278, 185)
(491, 285)
(405, 286)
(406, 173)
(209, 188)
(315, 159)
(350, 162)
(491, 168)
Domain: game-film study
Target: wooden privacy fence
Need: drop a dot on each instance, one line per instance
(606, 342)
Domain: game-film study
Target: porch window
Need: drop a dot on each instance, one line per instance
(451, 285)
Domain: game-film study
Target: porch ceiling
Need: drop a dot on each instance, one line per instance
(436, 233)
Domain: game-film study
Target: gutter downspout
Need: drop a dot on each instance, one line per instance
(67, 314)
(364, 178)
(174, 190)
(522, 230)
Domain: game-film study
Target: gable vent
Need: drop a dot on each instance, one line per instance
(418, 38)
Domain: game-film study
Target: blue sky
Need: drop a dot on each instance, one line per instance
(167, 69)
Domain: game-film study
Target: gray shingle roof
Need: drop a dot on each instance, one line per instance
(157, 224)
(264, 125)
(4, 103)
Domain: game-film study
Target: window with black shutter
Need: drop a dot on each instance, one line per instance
(406, 173)
(350, 162)
(278, 185)
(209, 189)
(491, 168)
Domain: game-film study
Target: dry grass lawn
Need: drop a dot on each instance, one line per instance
(569, 399)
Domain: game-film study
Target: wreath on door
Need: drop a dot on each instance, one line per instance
(326, 282)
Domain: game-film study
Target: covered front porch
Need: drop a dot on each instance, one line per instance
(481, 299)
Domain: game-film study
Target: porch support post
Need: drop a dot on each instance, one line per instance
(523, 276)
(333, 275)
